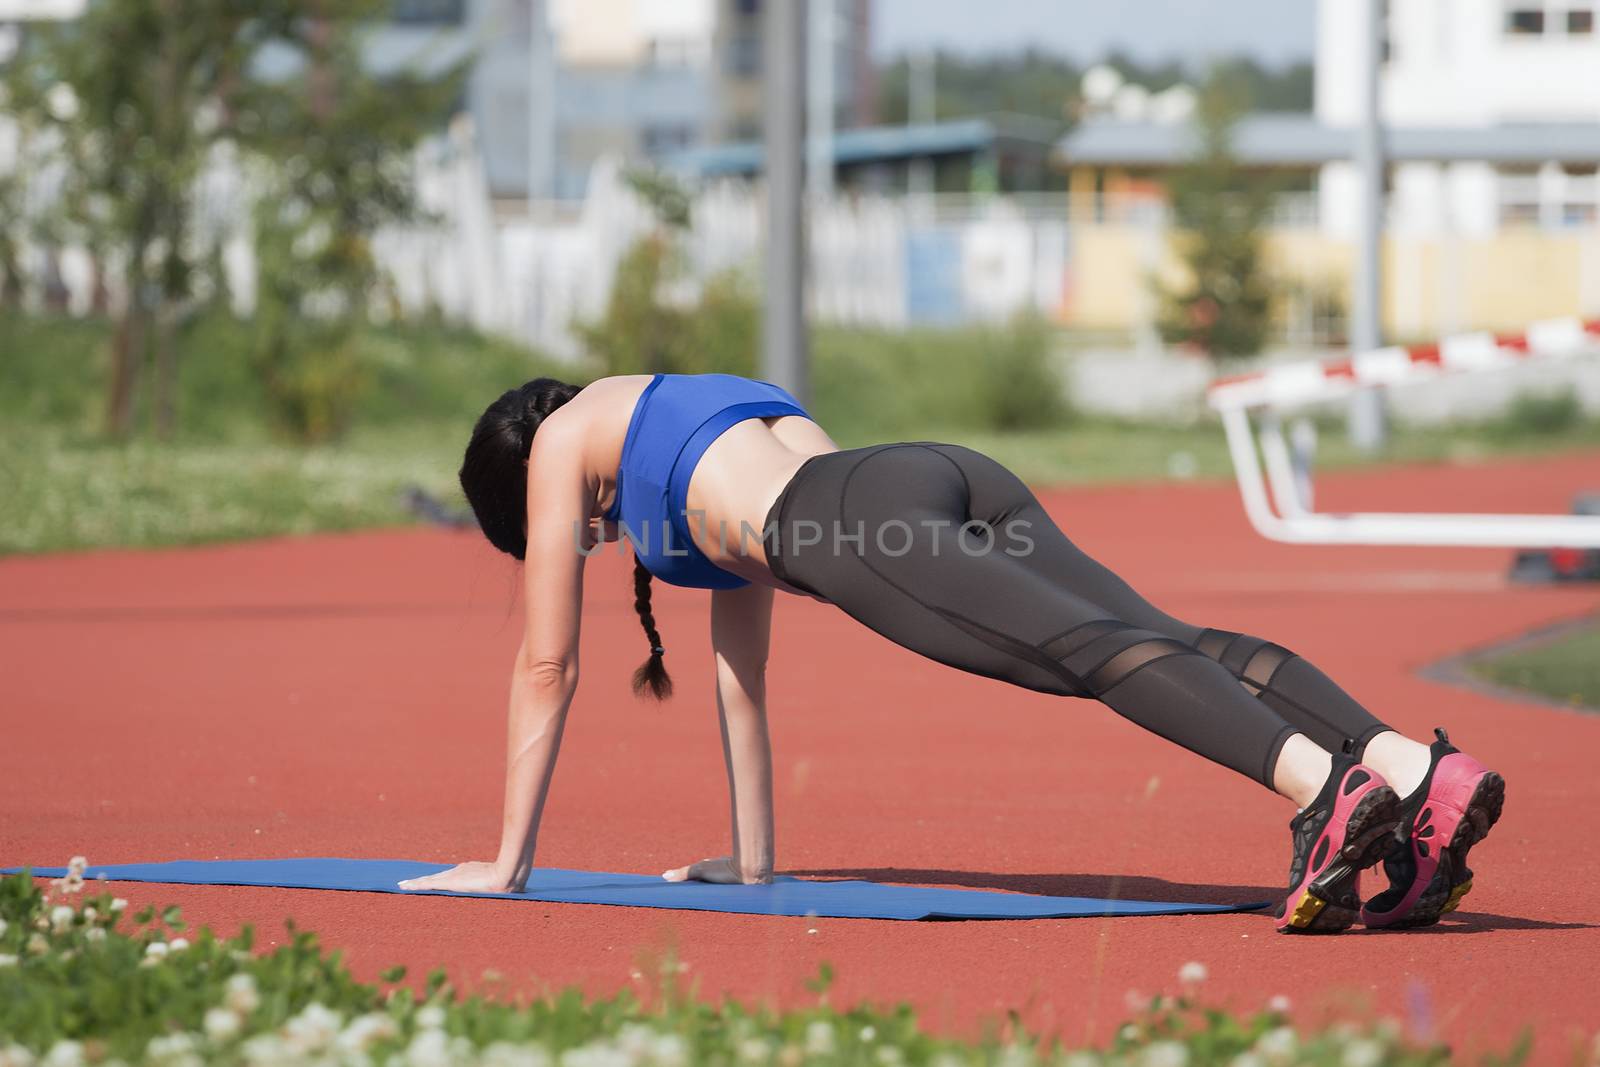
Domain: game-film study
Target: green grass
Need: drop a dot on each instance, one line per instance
(1566, 669)
(229, 473)
(84, 982)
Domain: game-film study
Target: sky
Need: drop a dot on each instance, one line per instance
(1273, 30)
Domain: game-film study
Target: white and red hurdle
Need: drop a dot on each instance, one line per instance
(1279, 505)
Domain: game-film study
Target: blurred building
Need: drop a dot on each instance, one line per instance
(999, 153)
(629, 79)
(1491, 111)
(740, 53)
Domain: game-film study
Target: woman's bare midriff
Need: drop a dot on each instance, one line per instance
(736, 483)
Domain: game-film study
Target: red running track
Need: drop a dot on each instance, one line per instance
(344, 695)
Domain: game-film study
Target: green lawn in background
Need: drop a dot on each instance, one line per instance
(1566, 670)
(229, 475)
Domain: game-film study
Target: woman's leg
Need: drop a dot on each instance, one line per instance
(1302, 695)
(887, 534)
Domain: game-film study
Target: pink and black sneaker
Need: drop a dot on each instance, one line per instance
(1452, 810)
(1346, 829)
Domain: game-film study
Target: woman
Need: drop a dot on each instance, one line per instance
(724, 483)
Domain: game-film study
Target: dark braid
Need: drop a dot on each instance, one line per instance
(652, 673)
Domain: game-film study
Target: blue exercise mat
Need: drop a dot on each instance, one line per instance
(785, 896)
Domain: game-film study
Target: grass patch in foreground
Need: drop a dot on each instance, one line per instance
(81, 982)
(1566, 670)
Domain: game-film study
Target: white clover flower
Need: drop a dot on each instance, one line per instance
(240, 994)
(77, 865)
(266, 1050)
(38, 945)
(1165, 1054)
(156, 950)
(1193, 973)
(669, 1050)
(173, 1050)
(7, 960)
(61, 918)
(1248, 1059)
(819, 1038)
(220, 1024)
(1363, 1053)
(1081, 1058)
(1278, 1045)
(90, 914)
(1280, 1004)
(13, 1055)
(509, 1054)
(64, 1054)
(594, 1054)
(429, 1048)
(891, 1056)
(949, 1059)
(634, 1039)
(365, 1030)
(868, 1033)
(95, 934)
(1135, 1001)
(754, 1050)
(3, 925)
(118, 904)
(313, 1029)
(431, 1017)
(178, 944)
(1129, 1032)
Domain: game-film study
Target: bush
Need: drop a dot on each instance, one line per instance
(1541, 415)
(876, 386)
(81, 983)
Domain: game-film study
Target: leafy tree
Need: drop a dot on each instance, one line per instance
(132, 94)
(643, 330)
(1224, 306)
(333, 161)
(160, 90)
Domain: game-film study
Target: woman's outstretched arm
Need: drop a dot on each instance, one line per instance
(741, 628)
(545, 675)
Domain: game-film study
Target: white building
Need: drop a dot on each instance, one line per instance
(1503, 95)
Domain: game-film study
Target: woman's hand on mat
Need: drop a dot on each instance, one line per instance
(466, 878)
(721, 871)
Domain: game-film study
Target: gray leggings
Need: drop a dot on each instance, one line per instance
(947, 553)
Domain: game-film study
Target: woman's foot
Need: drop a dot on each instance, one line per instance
(1344, 830)
(1453, 809)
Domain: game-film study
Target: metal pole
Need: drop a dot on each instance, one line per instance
(920, 111)
(820, 103)
(541, 107)
(783, 325)
(1367, 422)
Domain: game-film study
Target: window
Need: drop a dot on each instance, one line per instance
(430, 12)
(1558, 18)
(666, 138)
(744, 54)
(1525, 21)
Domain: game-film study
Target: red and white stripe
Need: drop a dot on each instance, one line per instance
(1309, 381)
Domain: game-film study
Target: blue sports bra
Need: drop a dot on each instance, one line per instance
(675, 421)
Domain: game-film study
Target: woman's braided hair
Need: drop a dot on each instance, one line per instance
(494, 479)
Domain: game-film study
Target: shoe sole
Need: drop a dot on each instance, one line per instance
(1452, 880)
(1331, 901)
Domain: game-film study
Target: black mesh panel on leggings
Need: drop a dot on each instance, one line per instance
(1295, 689)
(1029, 608)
